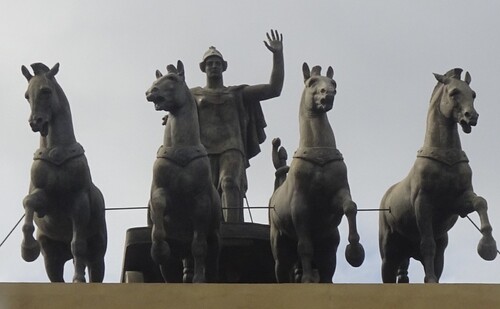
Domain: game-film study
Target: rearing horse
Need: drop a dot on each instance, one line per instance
(308, 204)
(184, 204)
(69, 208)
(426, 204)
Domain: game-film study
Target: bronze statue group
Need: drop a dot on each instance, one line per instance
(199, 179)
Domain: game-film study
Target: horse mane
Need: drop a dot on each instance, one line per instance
(39, 68)
(437, 92)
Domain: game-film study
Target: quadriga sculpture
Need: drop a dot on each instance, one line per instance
(307, 207)
(69, 208)
(185, 206)
(426, 204)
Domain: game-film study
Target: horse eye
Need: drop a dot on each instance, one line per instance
(26, 96)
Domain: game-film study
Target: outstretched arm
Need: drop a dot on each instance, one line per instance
(273, 89)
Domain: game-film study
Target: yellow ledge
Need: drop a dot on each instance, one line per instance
(140, 295)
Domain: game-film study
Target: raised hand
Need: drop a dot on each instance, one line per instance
(275, 44)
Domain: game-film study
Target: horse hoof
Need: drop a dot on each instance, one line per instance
(199, 279)
(79, 279)
(355, 254)
(403, 279)
(487, 248)
(30, 250)
(431, 279)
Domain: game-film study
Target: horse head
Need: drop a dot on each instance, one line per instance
(42, 94)
(169, 91)
(456, 101)
(319, 91)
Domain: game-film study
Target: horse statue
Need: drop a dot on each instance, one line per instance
(425, 205)
(185, 206)
(69, 208)
(311, 196)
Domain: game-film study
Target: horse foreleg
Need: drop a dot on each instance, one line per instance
(160, 250)
(284, 253)
(487, 247)
(212, 264)
(441, 245)
(187, 270)
(80, 217)
(199, 251)
(36, 200)
(355, 254)
(424, 218)
(326, 256)
(55, 255)
(305, 247)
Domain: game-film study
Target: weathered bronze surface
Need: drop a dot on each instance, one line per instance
(69, 208)
(185, 207)
(232, 123)
(308, 203)
(426, 204)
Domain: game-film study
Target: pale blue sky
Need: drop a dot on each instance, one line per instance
(383, 54)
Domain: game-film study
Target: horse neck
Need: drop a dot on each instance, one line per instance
(61, 132)
(441, 132)
(182, 128)
(315, 129)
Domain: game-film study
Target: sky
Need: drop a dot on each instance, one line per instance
(383, 54)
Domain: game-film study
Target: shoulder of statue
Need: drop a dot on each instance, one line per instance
(196, 90)
(236, 88)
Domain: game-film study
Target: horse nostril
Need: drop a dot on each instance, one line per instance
(467, 114)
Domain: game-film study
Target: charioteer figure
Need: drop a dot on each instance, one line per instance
(232, 123)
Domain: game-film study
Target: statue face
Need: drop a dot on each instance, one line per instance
(214, 67)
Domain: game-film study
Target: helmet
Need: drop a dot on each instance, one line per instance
(212, 51)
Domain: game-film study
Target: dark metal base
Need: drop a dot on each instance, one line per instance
(245, 255)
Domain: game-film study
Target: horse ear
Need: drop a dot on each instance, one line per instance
(26, 73)
(305, 71)
(158, 74)
(316, 70)
(180, 68)
(467, 78)
(53, 71)
(455, 73)
(441, 78)
(329, 72)
(171, 69)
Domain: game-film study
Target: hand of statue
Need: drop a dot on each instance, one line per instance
(275, 44)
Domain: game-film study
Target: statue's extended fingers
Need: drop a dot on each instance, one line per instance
(275, 35)
(268, 37)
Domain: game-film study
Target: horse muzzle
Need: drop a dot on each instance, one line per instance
(468, 120)
(39, 124)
